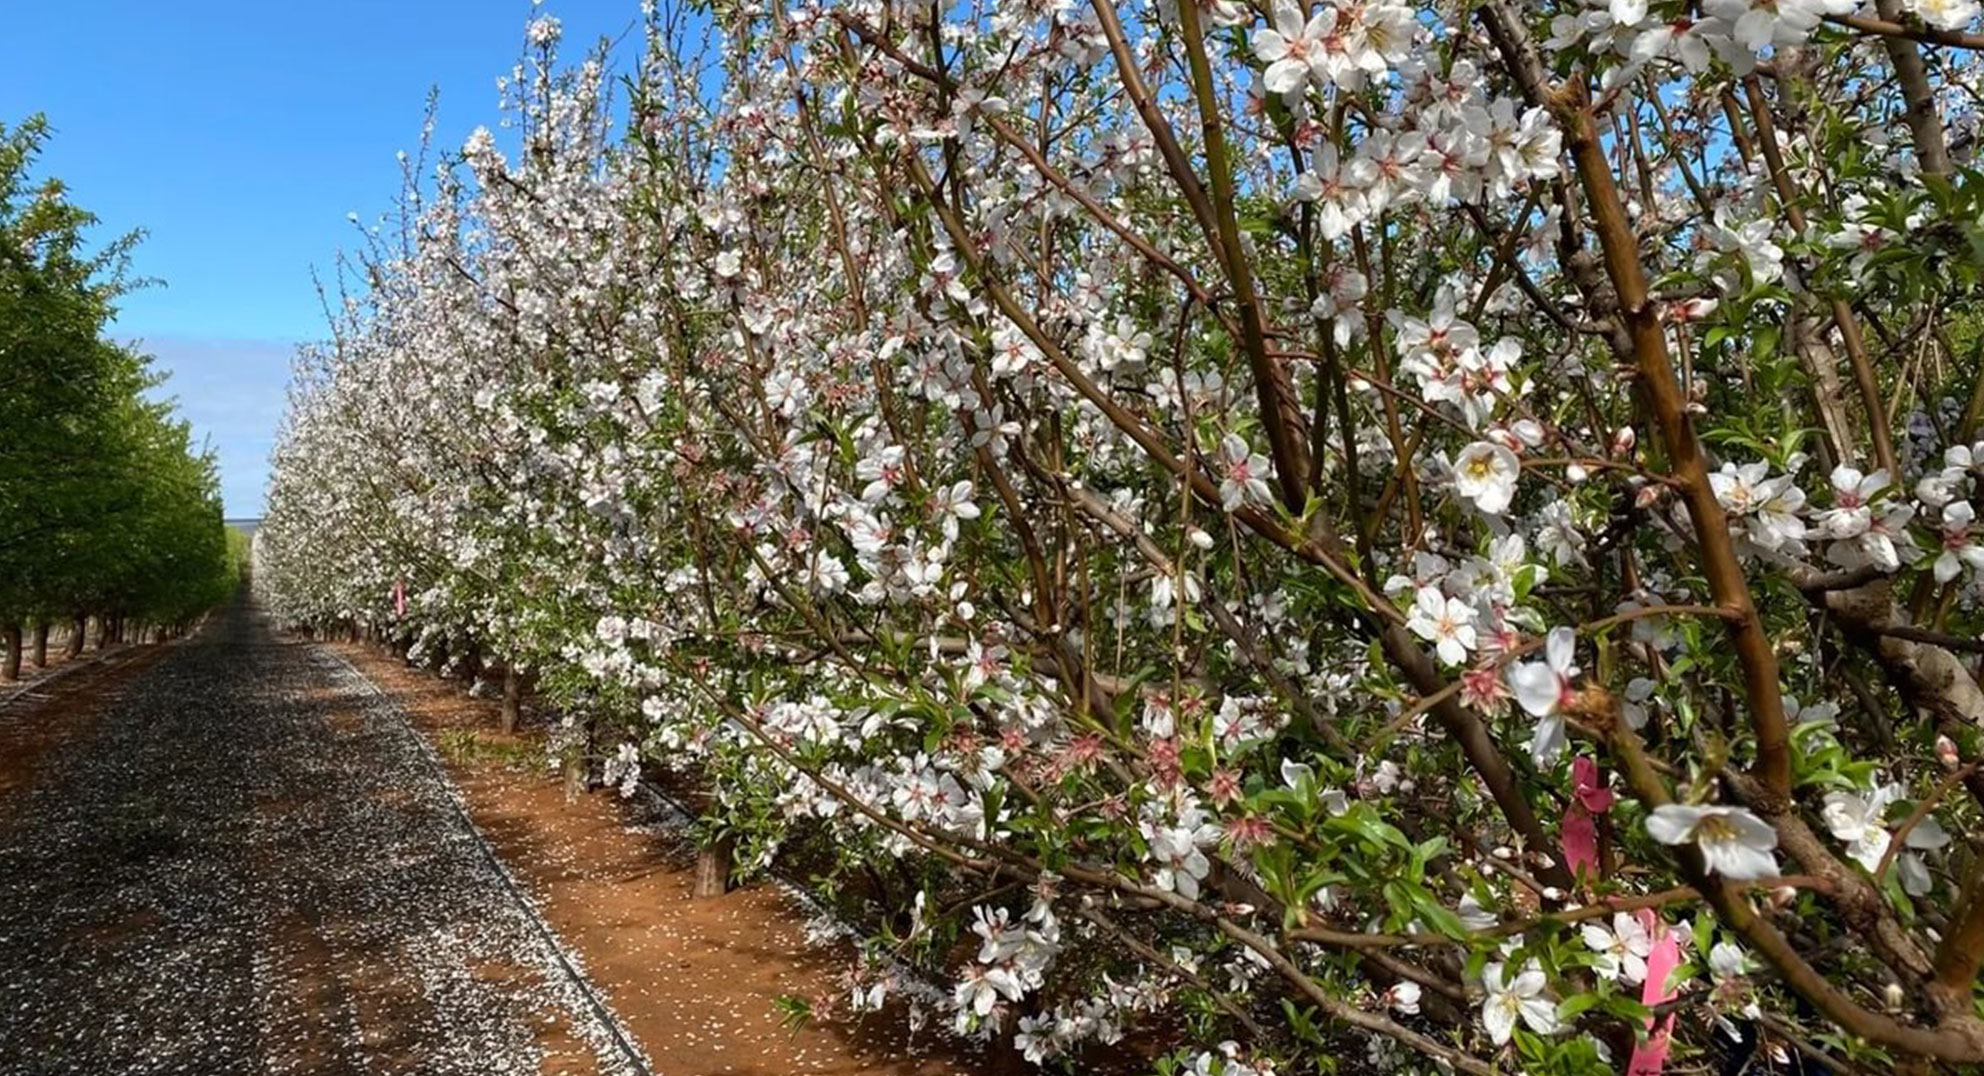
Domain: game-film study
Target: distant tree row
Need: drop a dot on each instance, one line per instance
(107, 508)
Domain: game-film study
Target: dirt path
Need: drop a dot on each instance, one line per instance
(695, 981)
(236, 855)
(228, 857)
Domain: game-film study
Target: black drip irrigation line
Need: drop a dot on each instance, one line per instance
(908, 974)
(600, 1012)
(679, 815)
(914, 980)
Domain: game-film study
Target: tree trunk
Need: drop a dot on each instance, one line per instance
(712, 870)
(79, 633)
(12, 668)
(575, 766)
(1002, 1054)
(41, 643)
(513, 698)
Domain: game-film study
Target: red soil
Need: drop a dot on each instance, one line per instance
(694, 981)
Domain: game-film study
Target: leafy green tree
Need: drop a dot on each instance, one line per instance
(106, 506)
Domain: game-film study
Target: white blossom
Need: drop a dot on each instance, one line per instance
(1733, 842)
(1507, 1001)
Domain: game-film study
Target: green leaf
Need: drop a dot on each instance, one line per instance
(1440, 917)
(1577, 1005)
(1363, 822)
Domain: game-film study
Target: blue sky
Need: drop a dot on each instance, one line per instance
(238, 134)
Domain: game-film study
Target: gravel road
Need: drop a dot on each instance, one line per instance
(240, 861)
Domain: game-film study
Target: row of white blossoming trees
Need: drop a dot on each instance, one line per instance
(1270, 539)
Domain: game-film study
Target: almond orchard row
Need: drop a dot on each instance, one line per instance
(1270, 539)
(108, 510)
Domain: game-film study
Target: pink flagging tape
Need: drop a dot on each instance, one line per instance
(1650, 1056)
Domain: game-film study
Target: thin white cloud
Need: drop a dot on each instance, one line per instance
(233, 392)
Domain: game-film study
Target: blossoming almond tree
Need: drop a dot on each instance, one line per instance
(1195, 493)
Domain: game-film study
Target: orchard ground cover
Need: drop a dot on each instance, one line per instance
(78, 686)
(223, 854)
(697, 981)
(36, 675)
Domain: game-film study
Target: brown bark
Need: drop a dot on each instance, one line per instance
(1930, 677)
(41, 643)
(1959, 1038)
(576, 774)
(1663, 397)
(1808, 337)
(12, 667)
(1928, 35)
(712, 870)
(1962, 951)
(1925, 124)
(1478, 745)
(79, 633)
(1280, 413)
(513, 698)
(1003, 1056)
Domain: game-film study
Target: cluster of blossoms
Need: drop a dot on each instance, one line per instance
(1297, 522)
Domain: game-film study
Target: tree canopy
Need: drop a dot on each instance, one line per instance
(106, 504)
(1322, 536)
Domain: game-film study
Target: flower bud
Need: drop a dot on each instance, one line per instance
(1198, 537)
(1946, 752)
(1623, 440)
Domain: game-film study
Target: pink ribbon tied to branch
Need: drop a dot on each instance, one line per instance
(1650, 1056)
(1589, 799)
